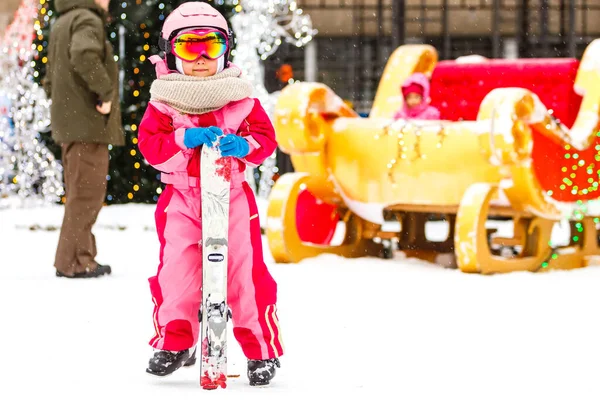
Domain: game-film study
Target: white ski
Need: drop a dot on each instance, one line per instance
(215, 178)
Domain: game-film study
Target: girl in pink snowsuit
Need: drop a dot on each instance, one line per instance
(416, 99)
(200, 99)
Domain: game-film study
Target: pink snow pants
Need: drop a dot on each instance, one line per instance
(176, 288)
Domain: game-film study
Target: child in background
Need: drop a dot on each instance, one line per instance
(416, 99)
(200, 99)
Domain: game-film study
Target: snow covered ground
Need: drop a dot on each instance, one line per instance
(365, 328)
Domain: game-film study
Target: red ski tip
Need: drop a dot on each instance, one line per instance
(209, 384)
(209, 387)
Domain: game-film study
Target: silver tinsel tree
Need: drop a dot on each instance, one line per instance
(28, 170)
(261, 26)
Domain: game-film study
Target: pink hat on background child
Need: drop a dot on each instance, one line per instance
(417, 83)
(413, 88)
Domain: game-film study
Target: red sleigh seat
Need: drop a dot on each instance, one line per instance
(457, 90)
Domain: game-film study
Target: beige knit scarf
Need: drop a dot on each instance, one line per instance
(194, 95)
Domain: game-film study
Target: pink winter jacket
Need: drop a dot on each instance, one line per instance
(162, 130)
(422, 111)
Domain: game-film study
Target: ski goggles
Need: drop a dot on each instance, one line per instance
(191, 45)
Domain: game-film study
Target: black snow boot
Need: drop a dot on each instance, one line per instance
(191, 361)
(95, 273)
(260, 372)
(166, 362)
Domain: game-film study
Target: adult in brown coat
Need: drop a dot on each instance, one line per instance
(82, 81)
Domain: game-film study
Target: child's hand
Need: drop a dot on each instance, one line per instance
(195, 137)
(234, 146)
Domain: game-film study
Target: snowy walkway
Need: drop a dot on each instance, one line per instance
(363, 328)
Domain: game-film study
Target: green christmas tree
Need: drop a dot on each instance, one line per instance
(133, 31)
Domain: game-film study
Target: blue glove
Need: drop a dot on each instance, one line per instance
(234, 146)
(195, 137)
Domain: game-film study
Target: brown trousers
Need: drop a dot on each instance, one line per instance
(85, 169)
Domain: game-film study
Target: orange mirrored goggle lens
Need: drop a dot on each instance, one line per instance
(190, 46)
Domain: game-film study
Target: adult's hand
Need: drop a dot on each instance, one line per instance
(104, 108)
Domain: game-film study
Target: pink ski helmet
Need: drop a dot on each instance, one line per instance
(193, 14)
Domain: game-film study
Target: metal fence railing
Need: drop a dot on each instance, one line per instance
(351, 57)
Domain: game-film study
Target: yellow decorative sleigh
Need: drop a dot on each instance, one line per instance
(499, 153)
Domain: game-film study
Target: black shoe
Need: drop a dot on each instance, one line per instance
(166, 362)
(98, 271)
(191, 361)
(260, 372)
